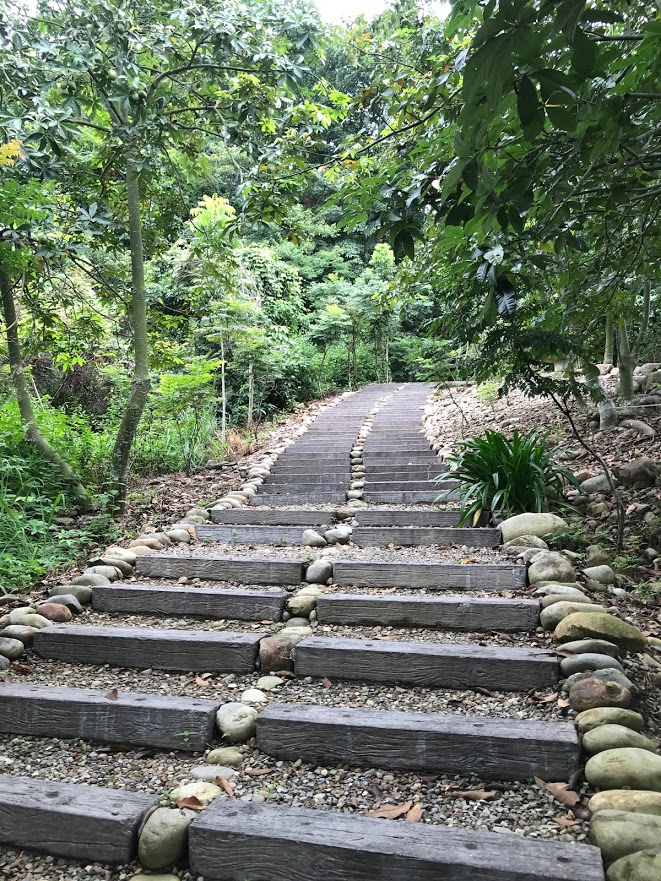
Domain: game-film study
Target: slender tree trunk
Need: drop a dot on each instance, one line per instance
(17, 372)
(607, 411)
(223, 393)
(251, 395)
(609, 347)
(387, 358)
(140, 383)
(626, 363)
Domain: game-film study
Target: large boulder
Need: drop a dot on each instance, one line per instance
(619, 833)
(628, 768)
(644, 865)
(636, 801)
(639, 473)
(591, 719)
(551, 566)
(600, 625)
(531, 524)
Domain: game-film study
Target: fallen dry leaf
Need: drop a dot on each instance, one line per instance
(560, 791)
(224, 783)
(201, 682)
(258, 772)
(194, 804)
(25, 669)
(562, 702)
(391, 812)
(414, 815)
(484, 691)
(113, 694)
(542, 698)
(476, 794)
(566, 821)
(326, 682)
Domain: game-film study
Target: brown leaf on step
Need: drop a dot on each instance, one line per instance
(258, 772)
(25, 669)
(223, 782)
(112, 695)
(388, 636)
(542, 698)
(562, 702)
(562, 793)
(192, 803)
(467, 560)
(193, 532)
(566, 821)
(391, 812)
(414, 815)
(266, 621)
(507, 594)
(476, 794)
(201, 682)
(326, 682)
(484, 691)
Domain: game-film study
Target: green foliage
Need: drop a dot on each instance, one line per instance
(505, 477)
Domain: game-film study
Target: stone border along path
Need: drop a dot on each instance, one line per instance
(353, 447)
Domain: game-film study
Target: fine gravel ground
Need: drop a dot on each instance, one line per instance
(21, 866)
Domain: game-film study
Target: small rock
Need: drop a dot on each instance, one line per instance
(200, 789)
(589, 693)
(109, 572)
(319, 572)
(615, 737)
(595, 555)
(69, 601)
(54, 612)
(628, 768)
(313, 539)
(304, 601)
(226, 755)
(591, 719)
(636, 801)
(551, 566)
(531, 524)
(297, 622)
(182, 536)
(141, 877)
(274, 654)
(268, 683)
(20, 632)
(588, 661)
(582, 625)
(619, 833)
(28, 619)
(211, 772)
(164, 837)
(5, 663)
(591, 646)
(553, 588)
(254, 696)
(597, 484)
(236, 722)
(527, 541)
(82, 592)
(573, 595)
(641, 471)
(340, 535)
(603, 574)
(551, 617)
(644, 865)
(124, 567)
(10, 648)
(146, 541)
(121, 554)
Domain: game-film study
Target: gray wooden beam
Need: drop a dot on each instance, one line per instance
(86, 823)
(433, 576)
(470, 614)
(432, 665)
(202, 602)
(417, 536)
(235, 841)
(249, 570)
(145, 719)
(299, 498)
(276, 517)
(270, 535)
(406, 517)
(491, 748)
(191, 650)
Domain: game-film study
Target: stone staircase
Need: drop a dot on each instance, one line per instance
(411, 604)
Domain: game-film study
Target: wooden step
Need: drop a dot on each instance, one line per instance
(432, 576)
(86, 823)
(273, 535)
(472, 614)
(420, 536)
(244, 516)
(432, 665)
(401, 456)
(235, 840)
(374, 484)
(309, 466)
(415, 497)
(201, 602)
(298, 477)
(422, 470)
(190, 650)
(407, 517)
(310, 498)
(302, 483)
(145, 719)
(492, 748)
(248, 570)
(294, 456)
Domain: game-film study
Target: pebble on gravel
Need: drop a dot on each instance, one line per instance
(202, 790)
(211, 772)
(319, 572)
(313, 539)
(628, 768)
(226, 755)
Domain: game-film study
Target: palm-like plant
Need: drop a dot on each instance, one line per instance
(505, 477)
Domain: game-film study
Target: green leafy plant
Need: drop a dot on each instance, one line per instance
(505, 477)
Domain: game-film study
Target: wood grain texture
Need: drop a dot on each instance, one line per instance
(309, 466)
(272, 535)
(70, 820)
(276, 517)
(492, 748)
(153, 599)
(433, 576)
(195, 650)
(415, 497)
(406, 517)
(293, 455)
(373, 484)
(298, 476)
(236, 841)
(369, 536)
(298, 498)
(145, 719)
(401, 457)
(249, 570)
(433, 665)
(471, 614)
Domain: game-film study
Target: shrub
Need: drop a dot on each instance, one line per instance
(505, 477)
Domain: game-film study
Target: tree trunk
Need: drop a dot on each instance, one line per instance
(609, 347)
(251, 395)
(140, 383)
(607, 411)
(223, 393)
(626, 363)
(17, 372)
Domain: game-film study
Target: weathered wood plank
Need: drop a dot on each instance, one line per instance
(311, 498)
(433, 665)
(415, 497)
(145, 719)
(420, 471)
(471, 614)
(401, 455)
(234, 841)
(433, 576)
(276, 517)
(374, 484)
(420, 536)
(70, 820)
(408, 517)
(309, 466)
(144, 647)
(201, 602)
(294, 455)
(276, 535)
(297, 476)
(249, 570)
(492, 748)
